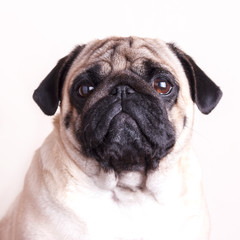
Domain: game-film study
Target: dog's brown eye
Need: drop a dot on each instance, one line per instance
(85, 90)
(162, 86)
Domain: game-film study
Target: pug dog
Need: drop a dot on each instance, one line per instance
(118, 164)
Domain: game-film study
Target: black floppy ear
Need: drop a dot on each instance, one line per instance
(48, 93)
(205, 93)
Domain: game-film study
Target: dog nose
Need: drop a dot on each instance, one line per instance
(122, 91)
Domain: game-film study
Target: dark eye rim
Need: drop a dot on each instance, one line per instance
(159, 79)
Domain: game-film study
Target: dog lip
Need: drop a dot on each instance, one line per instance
(123, 117)
(101, 126)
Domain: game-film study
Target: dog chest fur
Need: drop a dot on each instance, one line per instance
(99, 210)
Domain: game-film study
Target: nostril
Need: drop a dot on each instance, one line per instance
(129, 90)
(122, 90)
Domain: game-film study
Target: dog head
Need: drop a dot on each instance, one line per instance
(127, 103)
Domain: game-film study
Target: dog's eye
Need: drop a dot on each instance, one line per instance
(85, 90)
(162, 86)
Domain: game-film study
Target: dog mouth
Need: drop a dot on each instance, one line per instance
(131, 135)
(123, 128)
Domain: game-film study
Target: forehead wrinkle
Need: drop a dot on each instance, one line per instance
(97, 48)
(160, 53)
(83, 61)
(121, 53)
(149, 49)
(87, 55)
(122, 57)
(115, 50)
(117, 55)
(106, 48)
(110, 46)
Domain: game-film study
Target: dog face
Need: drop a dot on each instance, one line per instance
(127, 103)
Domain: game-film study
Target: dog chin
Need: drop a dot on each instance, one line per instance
(125, 145)
(124, 148)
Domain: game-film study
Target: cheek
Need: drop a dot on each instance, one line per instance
(70, 118)
(178, 116)
(66, 110)
(70, 124)
(65, 105)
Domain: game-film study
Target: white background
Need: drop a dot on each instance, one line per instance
(35, 34)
